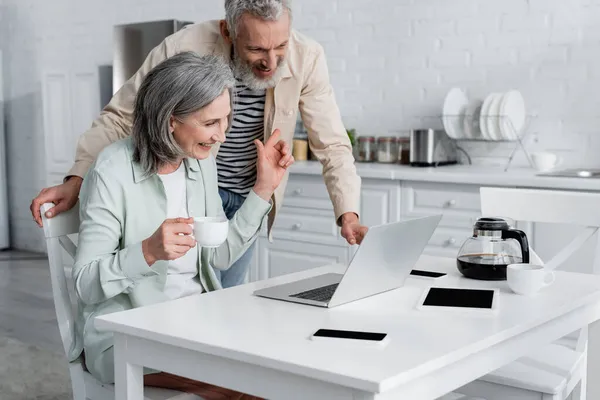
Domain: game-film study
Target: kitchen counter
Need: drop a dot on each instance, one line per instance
(465, 174)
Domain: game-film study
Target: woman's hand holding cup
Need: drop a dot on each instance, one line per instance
(172, 240)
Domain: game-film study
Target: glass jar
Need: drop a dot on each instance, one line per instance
(366, 149)
(404, 150)
(387, 149)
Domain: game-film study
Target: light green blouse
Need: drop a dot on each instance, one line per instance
(119, 208)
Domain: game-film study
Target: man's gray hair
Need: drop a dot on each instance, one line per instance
(177, 87)
(269, 10)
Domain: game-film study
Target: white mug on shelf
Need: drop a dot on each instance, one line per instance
(545, 160)
(528, 279)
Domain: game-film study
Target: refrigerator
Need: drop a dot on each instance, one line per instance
(133, 42)
(4, 242)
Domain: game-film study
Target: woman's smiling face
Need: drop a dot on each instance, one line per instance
(199, 131)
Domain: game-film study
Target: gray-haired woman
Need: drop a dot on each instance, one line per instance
(139, 199)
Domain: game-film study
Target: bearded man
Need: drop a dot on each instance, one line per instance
(278, 72)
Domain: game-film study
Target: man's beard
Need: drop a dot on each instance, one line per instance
(243, 72)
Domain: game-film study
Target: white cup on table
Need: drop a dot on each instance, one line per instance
(528, 279)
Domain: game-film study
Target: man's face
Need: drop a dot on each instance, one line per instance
(260, 49)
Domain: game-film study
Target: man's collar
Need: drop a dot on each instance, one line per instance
(223, 49)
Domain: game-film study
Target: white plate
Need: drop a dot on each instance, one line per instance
(493, 121)
(453, 113)
(483, 117)
(512, 109)
(471, 122)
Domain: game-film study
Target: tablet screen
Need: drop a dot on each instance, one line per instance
(452, 297)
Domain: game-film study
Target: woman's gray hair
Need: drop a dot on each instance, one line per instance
(177, 87)
(269, 10)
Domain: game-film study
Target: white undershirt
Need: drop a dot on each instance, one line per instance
(182, 273)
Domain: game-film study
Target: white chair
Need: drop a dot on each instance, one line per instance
(84, 385)
(558, 370)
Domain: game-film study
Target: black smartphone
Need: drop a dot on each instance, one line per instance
(429, 274)
(339, 334)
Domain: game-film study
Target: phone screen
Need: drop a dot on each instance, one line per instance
(431, 274)
(332, 333)
(452, 297)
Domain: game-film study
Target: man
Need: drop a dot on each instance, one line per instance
(278, 71)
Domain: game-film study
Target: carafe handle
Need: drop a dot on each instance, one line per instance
(522, 239)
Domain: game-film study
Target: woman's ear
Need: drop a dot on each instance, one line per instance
(172, 124)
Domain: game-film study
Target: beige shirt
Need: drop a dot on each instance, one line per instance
(304, 85)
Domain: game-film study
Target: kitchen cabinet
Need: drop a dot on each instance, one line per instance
(306, 235)
(305, 232)
(288, 256)
(458, 204)
(379, 202)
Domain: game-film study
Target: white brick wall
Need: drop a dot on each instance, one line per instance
(392, 61)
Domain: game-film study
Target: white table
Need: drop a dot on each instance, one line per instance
(260, 346)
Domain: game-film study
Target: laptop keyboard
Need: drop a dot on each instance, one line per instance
(323, 293)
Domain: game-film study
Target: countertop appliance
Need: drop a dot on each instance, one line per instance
(431, 147)
(133, 42)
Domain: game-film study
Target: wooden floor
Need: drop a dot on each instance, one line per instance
(26, 305)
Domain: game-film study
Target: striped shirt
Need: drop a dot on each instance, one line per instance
(236, 159)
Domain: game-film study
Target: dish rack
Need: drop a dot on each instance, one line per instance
(518, 138)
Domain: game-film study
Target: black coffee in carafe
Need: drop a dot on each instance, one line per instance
(493, 246)
(485, 266)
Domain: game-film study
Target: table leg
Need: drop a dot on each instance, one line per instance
(129, 378)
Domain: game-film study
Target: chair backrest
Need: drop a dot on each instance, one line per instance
(550, 206)
(540, 205)
(56, 230)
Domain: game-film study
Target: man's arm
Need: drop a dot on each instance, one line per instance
(328, 138)
(116, 119)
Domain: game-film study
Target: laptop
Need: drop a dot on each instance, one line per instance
(382, 262)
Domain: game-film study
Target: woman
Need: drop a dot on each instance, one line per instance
(139, 198)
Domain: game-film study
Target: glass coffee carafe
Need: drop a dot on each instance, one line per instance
(493, 246)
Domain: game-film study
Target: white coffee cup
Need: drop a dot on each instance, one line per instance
(528, 279)
(545, 161)
(211, 231)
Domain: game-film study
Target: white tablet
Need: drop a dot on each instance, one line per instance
(478, 301)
